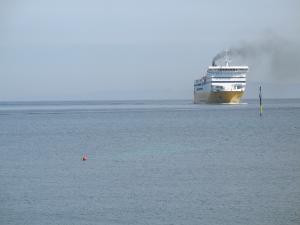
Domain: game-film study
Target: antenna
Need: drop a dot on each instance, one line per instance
(227, 60)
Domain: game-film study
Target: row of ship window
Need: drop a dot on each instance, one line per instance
(220, 81)
(218, 70)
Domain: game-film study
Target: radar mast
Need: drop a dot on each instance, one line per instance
(227, 59)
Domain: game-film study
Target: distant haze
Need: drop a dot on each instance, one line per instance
(77, 50)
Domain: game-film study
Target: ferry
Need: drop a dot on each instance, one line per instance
(221, 84)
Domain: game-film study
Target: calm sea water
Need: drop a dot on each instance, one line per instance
(150, 162)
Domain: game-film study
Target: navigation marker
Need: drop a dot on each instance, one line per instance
(260, 102)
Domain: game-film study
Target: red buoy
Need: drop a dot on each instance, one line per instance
(84, 157)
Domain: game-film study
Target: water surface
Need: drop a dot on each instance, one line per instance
(150, 162)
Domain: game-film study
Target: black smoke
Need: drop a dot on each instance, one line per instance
(271, 56)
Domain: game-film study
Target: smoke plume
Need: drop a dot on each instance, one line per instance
(269, 57)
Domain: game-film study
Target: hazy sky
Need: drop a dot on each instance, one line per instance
(132, 49)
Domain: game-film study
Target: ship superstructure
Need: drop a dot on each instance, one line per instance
(221, 84)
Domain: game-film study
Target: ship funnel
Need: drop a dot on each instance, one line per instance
(222, 55)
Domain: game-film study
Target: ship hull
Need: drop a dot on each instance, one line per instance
(221, 84)
(218, 97)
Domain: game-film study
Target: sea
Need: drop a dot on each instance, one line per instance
(164, 162)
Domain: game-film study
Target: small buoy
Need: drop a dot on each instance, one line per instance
(84, 157)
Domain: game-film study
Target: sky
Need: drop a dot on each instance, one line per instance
(135, 49)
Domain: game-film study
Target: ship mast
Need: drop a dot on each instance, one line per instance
(227, 60)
